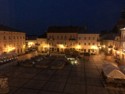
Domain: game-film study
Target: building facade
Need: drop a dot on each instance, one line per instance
(43, 46)
(11, 41)
(61, 39)
(31, 43)
(88, 43)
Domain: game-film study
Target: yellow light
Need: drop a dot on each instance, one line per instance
(9, 49)
(30, 44)
(78, 47)
(24, 46)
(94, 47)
(117, 52)
(109, 49)
(61, 46)
(46, 46)
(103, 46)
(123, 28)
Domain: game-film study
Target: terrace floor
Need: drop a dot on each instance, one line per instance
(83, 78)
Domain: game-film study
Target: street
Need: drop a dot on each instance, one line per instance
(84, 78)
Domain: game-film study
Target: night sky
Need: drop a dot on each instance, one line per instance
(34, 16)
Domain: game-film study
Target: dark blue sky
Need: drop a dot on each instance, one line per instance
(34, 16)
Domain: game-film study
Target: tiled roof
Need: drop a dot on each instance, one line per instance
(6, 28)
(64, 29)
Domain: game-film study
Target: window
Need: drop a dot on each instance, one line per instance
(89, 38)
(4, 45)
(89, 50)
(65, 37)
(70, 36)
(52, 37)
(9, 37)
(4, 38)
(61, 37)
(84, 50)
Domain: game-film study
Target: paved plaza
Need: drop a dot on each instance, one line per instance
(84, 78)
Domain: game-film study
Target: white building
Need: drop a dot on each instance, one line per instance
(88, 43)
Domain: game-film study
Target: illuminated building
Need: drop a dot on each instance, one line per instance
(11, 41)
(108, 42)
(88, 43)
(31, 43)
(61, 38)
(67, 38)
(43, 45)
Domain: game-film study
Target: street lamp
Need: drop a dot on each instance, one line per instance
(78, 47)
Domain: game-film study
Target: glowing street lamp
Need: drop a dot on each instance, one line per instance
(78, 47)
(61, 46)
(9, 49)
(94, 47)
(30, 44)
(103, 46)
(118, 52)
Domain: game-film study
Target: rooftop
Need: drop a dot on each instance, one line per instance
(65, 29)
(6, 28)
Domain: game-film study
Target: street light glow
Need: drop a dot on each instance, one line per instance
(30, 44)
(118, 52)
(103, 46)
(78, 47)
(46, 46)
(94, 47)
(9, 49)
(61, 46)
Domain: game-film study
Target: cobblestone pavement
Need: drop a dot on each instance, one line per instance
(83, 78)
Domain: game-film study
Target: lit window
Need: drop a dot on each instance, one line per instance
(84, 50)
(4, 38)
